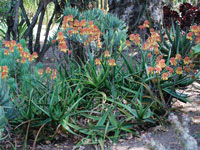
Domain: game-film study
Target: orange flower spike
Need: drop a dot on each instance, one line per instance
(156, 52)
(91, 25)
(189, 36)
(22, 54)
(145, 46)
(128, 43)
(70, 32)
(146, 23)
(150, 70)
(19, 47)
(70, 18)
(178, 57)
(40, 71)
(30, 58)
(165, 76)
(191, 66)
(156, 49)
(4, 75)
(107, 54)
(170, 70)
(76, 23)
(23, 60)
(132, 37)
(173, 61)
(75, 30)
(63, 48)
(12, 49)
(13, 43)
(6, 52)
(97, 61)
(152, 30)
(179, 71)
(62, 42)
(53, 75)
(65, 19)
(60, 36)
(186, 69)
(86, 30)
(48, 70)
(26, 54)
(99, 45)
(35, 55)
(149, 55)
(7, 43)
(186, 60)
(141, 27)
(158, 69)
(0, 68)
(65, 26)
(112, 62)
(83, 23)
(5, 68)
(71, 24)
(197, 41)
(135, 38)
(194, 29)
(162, 63)
(159, 58)
(82, 32)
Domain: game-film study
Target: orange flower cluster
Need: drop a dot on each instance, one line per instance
(174, 61)
(4, 71)
(83, 28)
(128, 43)
(107, 54)
(62, 42)
(145, 25)
(48, 70)
(151, 42)
(135, 38)
(12, 45)
(194, 31)
(111, 61)
(97, 61)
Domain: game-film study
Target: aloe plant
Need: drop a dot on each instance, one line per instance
(7, 107)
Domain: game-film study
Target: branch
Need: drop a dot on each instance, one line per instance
(15, 27)
(30, 44)
(9, 21)
(30, 28)
(44, 49)
(37, 41)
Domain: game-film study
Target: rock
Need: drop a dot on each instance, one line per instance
(133, 11)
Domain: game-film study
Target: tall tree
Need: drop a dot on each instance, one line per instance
(13, 22)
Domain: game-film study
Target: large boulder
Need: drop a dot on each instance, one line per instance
(134, 12)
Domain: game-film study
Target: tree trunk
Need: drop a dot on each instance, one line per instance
(134, 12)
